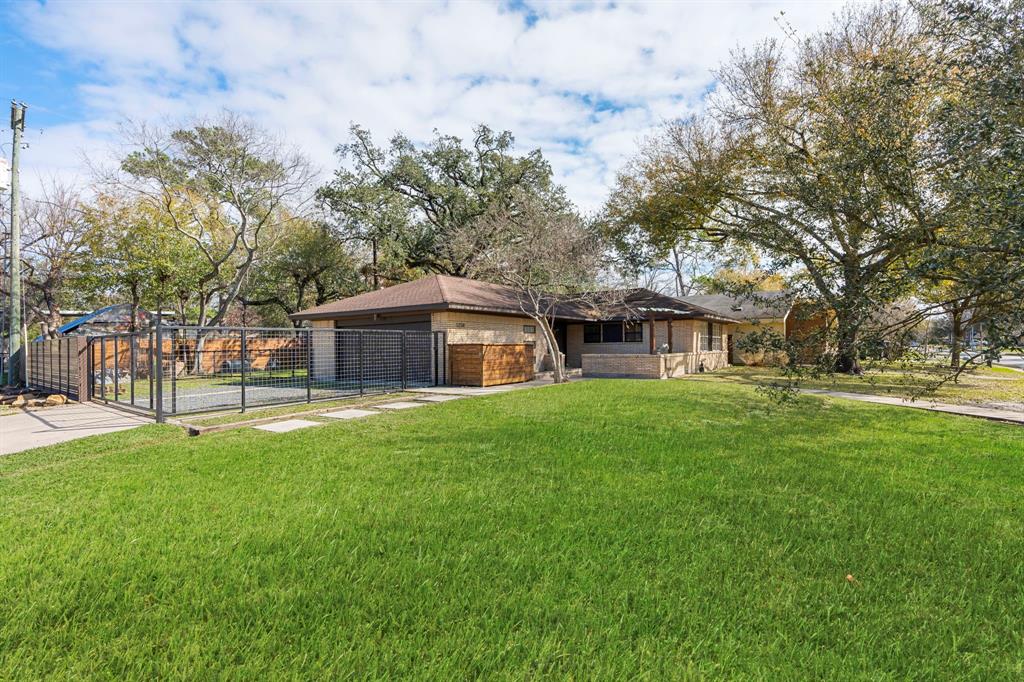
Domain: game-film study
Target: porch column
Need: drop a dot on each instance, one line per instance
(651, 324)
(669, 323)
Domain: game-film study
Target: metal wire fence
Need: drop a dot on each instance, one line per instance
(177, 370)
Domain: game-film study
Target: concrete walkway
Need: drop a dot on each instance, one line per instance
(34, 428)
(488, 390)
(1010, 416)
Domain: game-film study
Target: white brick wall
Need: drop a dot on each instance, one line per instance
(760, 357)
(323, 351)
(621, 365)
(462, 327)
(652, 366)
(481, 328)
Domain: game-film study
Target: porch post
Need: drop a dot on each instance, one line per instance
(669, 323)
(651, 324)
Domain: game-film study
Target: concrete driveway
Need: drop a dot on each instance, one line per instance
(34, 428)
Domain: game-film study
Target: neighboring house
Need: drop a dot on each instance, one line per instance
(109, 319)
(644, 334)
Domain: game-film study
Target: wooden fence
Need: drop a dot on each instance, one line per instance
(59, 365)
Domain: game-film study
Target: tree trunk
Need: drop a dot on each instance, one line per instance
(956, 337)
(376, 277)
(848, 320)
(52, 318)
(847, 351)
(134, 308)
(549, 338)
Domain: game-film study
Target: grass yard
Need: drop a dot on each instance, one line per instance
(604, 529)
(999, 387)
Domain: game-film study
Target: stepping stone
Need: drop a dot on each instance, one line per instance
(400, 405)
(287, 425)
(437, 398)
(349, 414)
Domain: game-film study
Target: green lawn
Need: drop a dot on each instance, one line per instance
(999, 387)
(604, 529)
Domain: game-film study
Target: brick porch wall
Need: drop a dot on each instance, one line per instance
(652, 366)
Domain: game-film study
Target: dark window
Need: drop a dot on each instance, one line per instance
(634, 332)
(529, 329)
(611, 332)
(591, 333)
(711, 331)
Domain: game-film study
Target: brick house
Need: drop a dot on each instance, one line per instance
(776, 311)
(645, 334)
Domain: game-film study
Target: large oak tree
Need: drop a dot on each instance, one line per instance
(817, 155)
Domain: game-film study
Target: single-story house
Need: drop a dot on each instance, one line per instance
(641, 334)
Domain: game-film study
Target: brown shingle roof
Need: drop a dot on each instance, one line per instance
(437, 292)
(759, 305)
(443, 292)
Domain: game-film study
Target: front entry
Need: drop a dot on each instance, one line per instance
(561, 330)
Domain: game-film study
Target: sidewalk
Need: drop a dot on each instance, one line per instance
(35, 428)
(1009, 416)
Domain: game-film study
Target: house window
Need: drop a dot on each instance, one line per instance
(529, 329)
(712, 340)
(591, 333)
(634, 332)
(611, 332)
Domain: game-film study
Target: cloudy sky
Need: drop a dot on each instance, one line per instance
(584, 82)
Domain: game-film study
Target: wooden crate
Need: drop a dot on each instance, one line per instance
(490, 364)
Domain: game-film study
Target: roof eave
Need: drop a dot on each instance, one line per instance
(314, 314)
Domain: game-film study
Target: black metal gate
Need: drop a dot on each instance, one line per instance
(176, 370)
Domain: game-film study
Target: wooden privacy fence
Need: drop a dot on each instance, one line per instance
(115, 352)
(60, 365)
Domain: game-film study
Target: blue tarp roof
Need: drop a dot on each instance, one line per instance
(74, 324)
(79, 321)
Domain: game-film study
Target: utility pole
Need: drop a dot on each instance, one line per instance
(15, 363)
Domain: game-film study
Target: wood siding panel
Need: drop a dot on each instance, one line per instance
(481, 364)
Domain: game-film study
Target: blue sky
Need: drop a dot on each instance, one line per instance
(584, 82)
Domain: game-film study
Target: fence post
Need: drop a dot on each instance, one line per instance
(404, 365)
(132, 366)
(103, 367)
(360, 363)
(174, 368)
(309, 365)
(243, 369)
(84, 359)
(67, 364)
(159, 371)
(117, 372)
(149, 364)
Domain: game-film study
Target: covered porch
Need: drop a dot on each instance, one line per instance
(660, 338)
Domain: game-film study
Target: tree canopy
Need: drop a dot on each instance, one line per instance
(426, 202)
(825, 157)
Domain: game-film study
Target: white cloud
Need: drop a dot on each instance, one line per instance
(583, 82)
